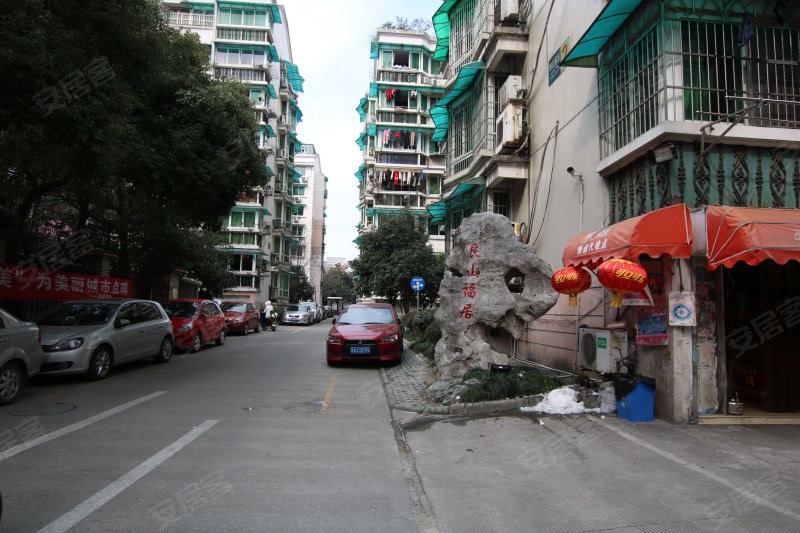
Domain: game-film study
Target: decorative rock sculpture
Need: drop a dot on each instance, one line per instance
(492, 282)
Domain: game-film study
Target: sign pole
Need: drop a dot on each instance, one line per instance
(417, 301)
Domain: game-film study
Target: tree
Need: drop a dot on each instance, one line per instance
(402, 23)
(391, 255)
(340, 283)
(106, 109)
(300, 290)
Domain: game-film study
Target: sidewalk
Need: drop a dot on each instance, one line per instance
(587, 473)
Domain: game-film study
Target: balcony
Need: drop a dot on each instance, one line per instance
(189, 19)
(238, 35)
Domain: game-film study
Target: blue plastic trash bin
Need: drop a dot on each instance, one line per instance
(637, 405)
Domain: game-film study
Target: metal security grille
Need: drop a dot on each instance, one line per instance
(682, 70)
(461, 34)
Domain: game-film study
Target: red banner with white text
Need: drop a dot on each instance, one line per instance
(19, 282)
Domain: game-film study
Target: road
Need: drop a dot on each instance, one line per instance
(256, 435)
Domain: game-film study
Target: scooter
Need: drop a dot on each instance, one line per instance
(271, 322)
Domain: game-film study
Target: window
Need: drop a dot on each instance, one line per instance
(425, 63)
(387, 58)
(500, 203)
(249, 219)
(236, 218)
(414, 60)
(434, 185)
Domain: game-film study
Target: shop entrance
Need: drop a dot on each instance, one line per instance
(762, 336)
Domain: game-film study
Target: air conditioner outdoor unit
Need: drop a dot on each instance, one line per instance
(519, 228)
(282, 119)
(303, 179)
(282, 153)
(602, 349)
(509, 128)
(510, 90)
(295, 219)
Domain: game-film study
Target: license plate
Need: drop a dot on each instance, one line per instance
(359, 350)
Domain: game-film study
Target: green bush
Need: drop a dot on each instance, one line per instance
(500, 385)
(407, 319)
(422, 346)
(421, 320)
(433, 333)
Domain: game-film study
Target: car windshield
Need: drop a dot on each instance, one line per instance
(297, 308)
(366, 315)
(77, 314)
(234, 307)
(181, 309)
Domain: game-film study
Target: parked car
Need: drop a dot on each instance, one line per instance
(91, 336)
(298, 314)
(327, 311)
(241, 317)
(365, 332)
(20, 355)
(315, 310)
(195, 322)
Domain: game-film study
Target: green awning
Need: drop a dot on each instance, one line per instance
(360, 140)
(273, 57)
(358, 207)
(294, 76)
(375, 47)
(373, 90)
(441, 25)
(296, 208)
(269, 171)
(270, 131)
(373, 129)
(370, 212)
(586, 50)
(467, 77)
(356, 240)
(251, 209)
(464, 193)
(362, 109)
(360, 174)
(276, 14)
(201, 6)
(271, 91)
(299, 115)
(292, 135)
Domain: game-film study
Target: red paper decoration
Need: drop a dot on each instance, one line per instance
(572, 281)
(621, 276)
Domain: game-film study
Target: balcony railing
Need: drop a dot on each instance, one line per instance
(179, 18)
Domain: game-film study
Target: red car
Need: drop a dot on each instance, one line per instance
(241, 317)
(195, 322)
(365, 332)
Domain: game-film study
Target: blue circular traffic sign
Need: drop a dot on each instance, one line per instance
(417, 283)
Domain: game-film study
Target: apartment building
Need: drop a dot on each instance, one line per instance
(249, 41)
(402, 165)
(308, 218)
(660, 131)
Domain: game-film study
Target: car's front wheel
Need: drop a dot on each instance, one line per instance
(11, 379)
(221, 340)
(257, 329)
(165, 351)
(100, 363)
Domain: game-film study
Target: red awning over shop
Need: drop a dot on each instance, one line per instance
(663, 231)
(751, 234)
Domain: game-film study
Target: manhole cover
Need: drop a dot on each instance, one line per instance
(46, 409)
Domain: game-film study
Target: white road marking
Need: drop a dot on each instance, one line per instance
(700, 470)
(66, 521)
(27, 445)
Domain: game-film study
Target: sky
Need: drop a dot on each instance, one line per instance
(331, 46)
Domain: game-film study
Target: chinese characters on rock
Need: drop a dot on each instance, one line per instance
(470, 288)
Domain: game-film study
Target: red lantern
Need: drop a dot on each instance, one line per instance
(621, 276)
(572, 281)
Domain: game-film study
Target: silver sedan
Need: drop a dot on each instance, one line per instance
(90, 336)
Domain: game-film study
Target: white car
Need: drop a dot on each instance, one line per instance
(298, 314)
(20, 355)
(315, 310)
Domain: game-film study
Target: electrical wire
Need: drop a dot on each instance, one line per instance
(549, 185)
(539, 51)
(536, 188)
